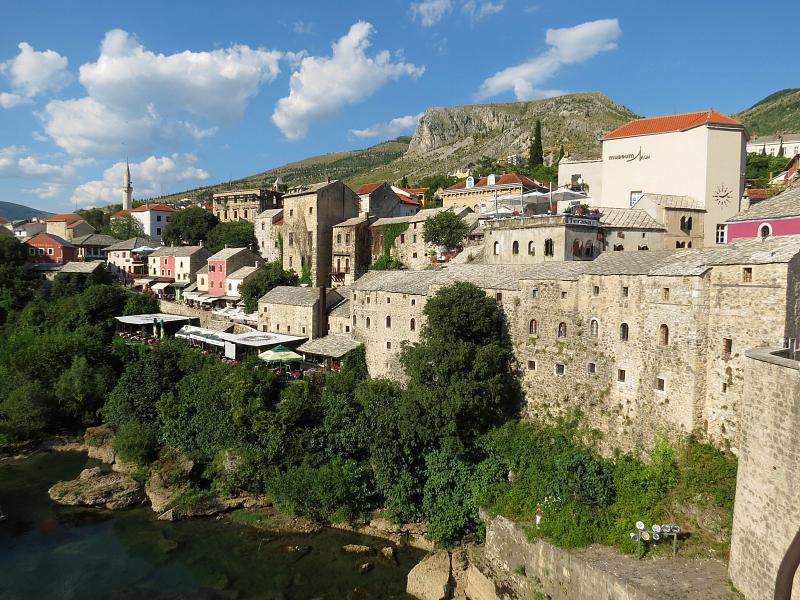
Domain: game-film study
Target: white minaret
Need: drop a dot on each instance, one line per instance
(127, 188)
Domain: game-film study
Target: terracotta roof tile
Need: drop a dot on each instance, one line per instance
(121, 213)
(668, 123)
(69, 217)
(161, 207)
(756, 193)
(368, 188)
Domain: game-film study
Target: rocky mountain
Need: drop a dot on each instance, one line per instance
(777, 113)
(449, 137)
(13, 211)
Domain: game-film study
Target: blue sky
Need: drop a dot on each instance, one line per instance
(198, 92)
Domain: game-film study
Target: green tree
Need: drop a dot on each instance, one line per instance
(140, 304)
(189, 226)
(81, 390)
(234, 235)
(760, 167)
(125, 227)
(24, 412)
(445, 229)
(404, 181)
(267, 277)
(16, 281)
(434, 183)
(536, 155)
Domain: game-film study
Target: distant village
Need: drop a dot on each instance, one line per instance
(655, 278)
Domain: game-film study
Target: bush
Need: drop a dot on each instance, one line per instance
(136, 442)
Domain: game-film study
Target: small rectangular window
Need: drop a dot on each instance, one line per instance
(727, 345)
(665, 294)
(660, 385)
(596, 290)
(620, 374)
(534, 293)
(591, 368)
(747, 274)
(563, 295)
(724, 387)
(560, 369)
(531, 365)
(288, 329)
(499, 296)
(388, 300)
(388, 345)
(413, 302)
(624, 291)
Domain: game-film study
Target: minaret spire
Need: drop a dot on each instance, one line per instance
(127, 188)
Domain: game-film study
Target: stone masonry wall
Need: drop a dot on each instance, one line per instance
(766, 513)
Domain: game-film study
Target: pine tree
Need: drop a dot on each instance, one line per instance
(536, 156)
(404, 182)
(560, 154)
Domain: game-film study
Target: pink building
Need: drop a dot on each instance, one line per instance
(779, 215)
(225, 262)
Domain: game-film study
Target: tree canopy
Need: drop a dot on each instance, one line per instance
(189, 226)
(235, 235)
(445, 229)
(125, 227)
(262, 281)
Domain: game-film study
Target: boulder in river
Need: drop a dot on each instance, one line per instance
(430, 579)
(113, 491)
(357, 549)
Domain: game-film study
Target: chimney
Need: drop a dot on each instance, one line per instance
(200, 243)
(322, 323)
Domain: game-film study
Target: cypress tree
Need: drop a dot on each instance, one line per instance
(536, 156)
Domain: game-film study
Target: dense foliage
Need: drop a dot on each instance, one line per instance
(189, 226)
(760, 167)
(239, 234)
(267, 277)
(445, 229)
(125, 227)
(536, 152)
(434, 183)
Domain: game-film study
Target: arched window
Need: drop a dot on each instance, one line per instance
(388, 322)
(663, 335)
(531, 248)
(765, 230)
(588, 250)
(576, 248)
(367, 322)
(497, 248)
(413, 325)
(548, 247)
(515, 247)
(594, 327)
(533, 327)
(683, 223)
(624, 331)
(689, 224)
(562, 330)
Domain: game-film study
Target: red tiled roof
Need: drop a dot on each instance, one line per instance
(368, 188)
(506, 179)
(72, 224)
(756, 193)
(38, 238)
(3, 221)
(417, 191)
(159, 207)
(668, 123)
(69, 217)
(121, 213)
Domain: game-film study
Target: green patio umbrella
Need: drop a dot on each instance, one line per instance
(280, 354)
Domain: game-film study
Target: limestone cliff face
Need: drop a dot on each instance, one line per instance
(576, 121)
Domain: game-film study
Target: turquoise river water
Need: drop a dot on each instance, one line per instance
(52, 552)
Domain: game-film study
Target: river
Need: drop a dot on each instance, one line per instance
(53, 552)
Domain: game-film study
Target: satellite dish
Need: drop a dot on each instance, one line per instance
(639, 525)
(676, 529)
(666, 528)
(656, 528)
(634, 537)
(656, 537)
(645, 535)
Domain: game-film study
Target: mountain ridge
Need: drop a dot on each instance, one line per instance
(13, 211)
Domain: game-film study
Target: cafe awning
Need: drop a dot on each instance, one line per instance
(280, 354)
(160, 286)
(143, 281)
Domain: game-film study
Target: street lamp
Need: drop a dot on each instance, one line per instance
(656, 533)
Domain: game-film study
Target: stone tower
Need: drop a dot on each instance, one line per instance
(127, 188)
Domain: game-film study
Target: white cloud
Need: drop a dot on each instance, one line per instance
(17, 163)
(137, 98)
(148, 178)
(430, 12)
(47, 191)
(301, 27)
(388, 130)
(569, 45)
(322, 85)
(477, 11)
(32, 73)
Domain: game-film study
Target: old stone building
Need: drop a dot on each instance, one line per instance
(682, 217)
(351, 249)
(473, 193)
(268, 231)
(408, 245)
(380, 199)
(309, 214)
(543, 238)
(244, 205)
(297, 310)
(642, 343)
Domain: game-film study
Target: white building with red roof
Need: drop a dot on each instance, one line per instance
(153, 218)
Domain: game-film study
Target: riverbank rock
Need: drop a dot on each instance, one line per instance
(113, 491)
(98, 442)
(389, 553)
(170, 476)
(357, 549)
(430, 579)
